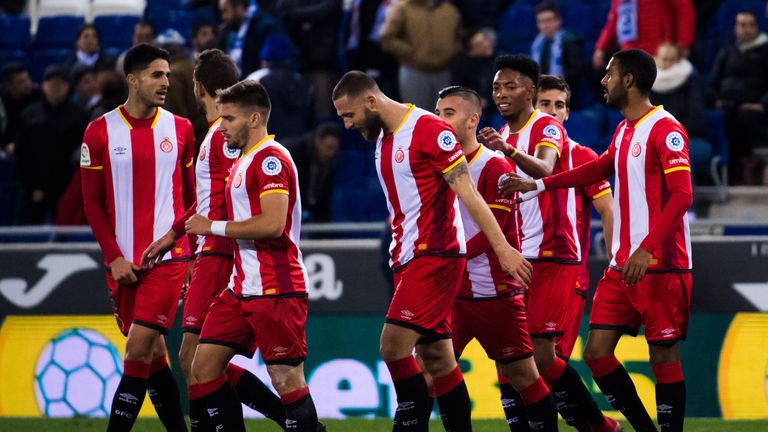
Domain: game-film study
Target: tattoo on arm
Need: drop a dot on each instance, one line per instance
(459, 170)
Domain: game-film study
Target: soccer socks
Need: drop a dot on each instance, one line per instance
(129, 396)
(411, 389)
(574, 402)
(618, 388)
(542, 416)
(255, 394)
(164, 394)
(300, 412)
(222, 404)
(670, 396)
(198, 412)
(453, 402)
(512, 404)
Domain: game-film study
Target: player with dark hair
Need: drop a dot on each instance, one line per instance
(137, 178)
(265, 304)
(213, 71)
(648, 281)
(538, 145)
(490, 305)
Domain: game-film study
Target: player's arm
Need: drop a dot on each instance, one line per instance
(541, 164)
(604, 206)
(511, 261)
(269, 224)
(158, 248)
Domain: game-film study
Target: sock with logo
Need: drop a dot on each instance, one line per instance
(255, 394)
(618, 388)
(198, 412)
(540, 407)
(300, 412)
(129, 396)
(453, 401)
(411, 390)
(572, 399)
(222, 404)
(164, 394)
(430, 400)
(512, 404)
(670, 396)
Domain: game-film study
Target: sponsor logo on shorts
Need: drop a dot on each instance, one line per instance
(128, 398)
(636, 150)
(399, 155)
(162, 319)
(406, 314)
(166, 145)
(668, 332)
(551, 325)
(509, 350)
(279, 350)
(191, 320)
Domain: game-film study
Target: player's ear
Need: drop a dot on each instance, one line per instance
(629, 80)
(474, 120)
(371, 101)
(567, 113)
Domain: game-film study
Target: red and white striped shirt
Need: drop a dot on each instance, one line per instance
(137, 178)
(484, 276)
(411, 162)
(548, 230)
(214, 161)
(273, 266)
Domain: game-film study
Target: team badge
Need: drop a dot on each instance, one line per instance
(636, 150)
(675, 141)
(271, 165)
(230, 153)
(202, 153)
(238, 180)
(446, 140)
(551, 131)
(166, 146)
(85, 155)
(399, 155)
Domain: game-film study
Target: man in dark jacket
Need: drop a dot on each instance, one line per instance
(244, 28)
(18, 93)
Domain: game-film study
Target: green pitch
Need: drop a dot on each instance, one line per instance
(378, 425)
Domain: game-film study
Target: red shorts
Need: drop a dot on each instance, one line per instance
(565, 343)
(498, 323)
(660, 302)
(152, 300)
(424, 293)
(210, 276)
(549, 297)
(275, 325)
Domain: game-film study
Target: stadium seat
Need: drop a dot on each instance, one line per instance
(57, 31)
(517, 24)
(719, 140)
(47, 8)
(41, 58)
(373, 201)
(579, 19)
(585, 127)
(350, 167)
(345, 204)
(15, 30)
(179, 20)
(117, 7)
(115, 31)
(612, 119)
(14, 55)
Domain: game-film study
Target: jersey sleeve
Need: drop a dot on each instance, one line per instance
(548, 132)
(438, 142)
(92, 148)
(670, 142)
(270, 174)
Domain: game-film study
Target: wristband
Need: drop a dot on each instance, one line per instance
(540, 185)
(219, 228)
(514, 152)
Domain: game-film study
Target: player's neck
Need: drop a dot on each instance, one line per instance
(514, 125)
(254, 140)
(469, 145)
(139, 110)
(393, 115)
(636, 109)
(211, 113)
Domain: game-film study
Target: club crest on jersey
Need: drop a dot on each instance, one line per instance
(446, 140)
(202, 153)
(165, 145)
(85, 155)
(636, 149)
(230, 153)
(551, 131)
(271, 165)
(238, 180)
(399, 155)
(675, 141)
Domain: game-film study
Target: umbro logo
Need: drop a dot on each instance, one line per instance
(405, 406)
(664, 409)
(406, 314)
(213, 412)
(120, 150)
(128, 398)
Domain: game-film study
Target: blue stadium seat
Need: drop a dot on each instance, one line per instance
(579, 19)
(720, 148)
(374, 203)
(115, 31)
(15, 29)
(57, 31)
(612, 119)
(14, 55)
(586, 128)
(345, 204)
(179, 20)
(517, 24)
(350, 167)
(41, 58)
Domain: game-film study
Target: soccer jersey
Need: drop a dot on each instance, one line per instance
(137, 179)
(214, 161)
(484, 276)
(643, 152)
(269, 266)
(547, 225)
(584, 197)
(411, 162)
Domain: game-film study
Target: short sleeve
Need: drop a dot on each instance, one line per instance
(495, 169)
(438, 141)
(92, 148)
(548, 132)
(270, 175)
(670, 141)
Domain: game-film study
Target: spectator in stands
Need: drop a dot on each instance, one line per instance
(203, 38)
(679, 88)
(645, 24)
(114, 91)
(143, 32)
(49, 135)
(740, 86)
(180, 99)
(18, 92)
(291, 95)
(245, 27)
(313, 26)
(476, 67)
(481, 14)
(87, 50)
(425, 36)
(557, 51)
(85, 84)
(315, 158)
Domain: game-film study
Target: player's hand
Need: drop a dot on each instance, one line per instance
(512, 183)
(636, 265)
(187, 279)
(515, 265)
(123, 271)
(198, 224)
(155, 251)
(493, 140)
